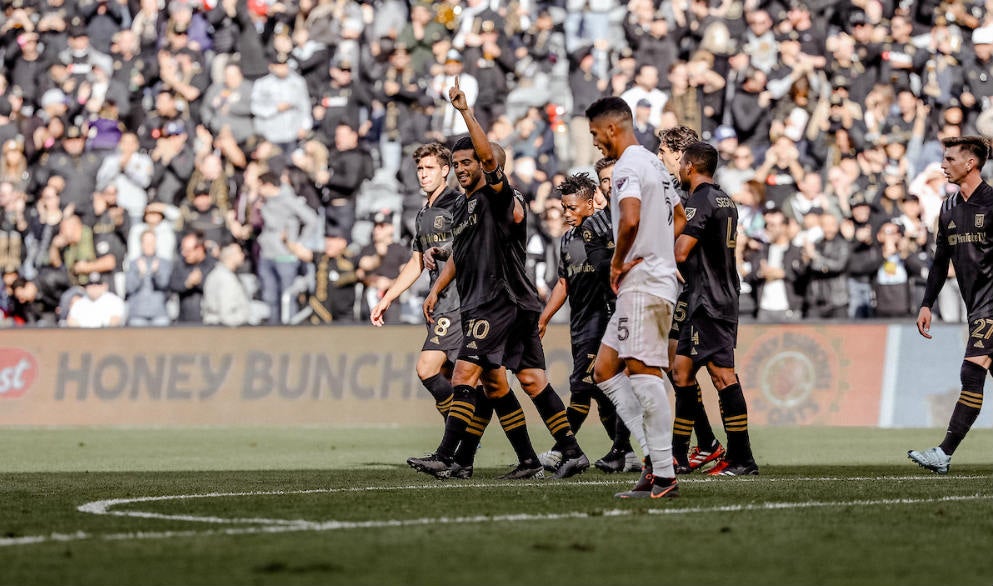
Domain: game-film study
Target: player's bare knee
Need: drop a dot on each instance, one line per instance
(533, 381)
(721, 376)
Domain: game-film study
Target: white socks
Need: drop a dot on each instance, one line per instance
(657, 416)
(618, 389)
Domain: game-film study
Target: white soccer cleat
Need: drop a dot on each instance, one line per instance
(550, 460)
(934, 459)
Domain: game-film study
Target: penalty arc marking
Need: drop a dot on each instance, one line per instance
(257, 526)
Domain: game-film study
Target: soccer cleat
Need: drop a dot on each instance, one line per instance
(573, 466)
(699, 458)
(642, 489)
(680, 467)
(934, 459)
(461, 472)
(431, 464)
(725, 468)
(529, 469)
(669, 490)
(550, 460)
(631, 462)
(614, 461)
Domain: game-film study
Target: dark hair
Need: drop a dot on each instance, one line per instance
(434, 149)
(270, 178)
(678, 138)
(603, 163)
(580, 184)
(465, 144)
(610, 106)
(977, 146)
(702, 157)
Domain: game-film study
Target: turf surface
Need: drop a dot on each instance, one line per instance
(334, 506)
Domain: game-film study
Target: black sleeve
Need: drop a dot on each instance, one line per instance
(939, 268)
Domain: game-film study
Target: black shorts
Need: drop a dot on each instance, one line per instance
(585, 345)
(679, 315)
(707, 340)
(499, 333)
(445, 334)
(980, 342)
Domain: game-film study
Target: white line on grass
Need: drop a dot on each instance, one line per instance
(298, 526)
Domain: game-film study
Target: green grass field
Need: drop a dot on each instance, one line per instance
(338, 506)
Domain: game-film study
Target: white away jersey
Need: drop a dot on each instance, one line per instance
(640, 174)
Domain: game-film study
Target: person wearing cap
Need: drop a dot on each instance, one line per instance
(98, 308)
(188, 275)
(281, 105)
(335, 276)
(644, 132)
(201, 214)
(78, 166)
(158, 217)
(977, 89)
(73, 251)
(174, 162)
(380, 263)
(80, 56)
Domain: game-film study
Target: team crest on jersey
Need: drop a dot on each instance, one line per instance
(587, 236)
(439, 222)
(690, 212)
(472, 205)
(621, 182)
(980, 220)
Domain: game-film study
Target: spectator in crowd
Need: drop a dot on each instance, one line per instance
(645, 87)
(130, 172)
(188, 276)
(98, 308)
(200, 214)
(158, 218)
(450, 123)
(281, 105)
(350, 166)
(643, 130)
(336, 278)
(31, 307)
(147, 284)
(225, 300)
(285, 217)
(77, 167)
(111, 226)
(864, 258)
(825, 262)
(228, 104)
(775, 271)
(379, 265)
(174, 162)
(892, 283)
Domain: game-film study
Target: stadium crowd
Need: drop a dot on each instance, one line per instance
(232, 162)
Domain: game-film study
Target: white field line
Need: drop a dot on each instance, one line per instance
(299, 526)
(261, 525)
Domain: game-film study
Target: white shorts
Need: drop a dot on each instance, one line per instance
(639, 328)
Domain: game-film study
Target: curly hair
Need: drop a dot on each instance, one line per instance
(580, 184)
(676, 139)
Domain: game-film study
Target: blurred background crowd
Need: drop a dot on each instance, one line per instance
(245, 162)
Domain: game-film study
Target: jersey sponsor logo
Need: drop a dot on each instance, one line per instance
(690, 212)
(980, 220)
(439, 222)
(18, 370)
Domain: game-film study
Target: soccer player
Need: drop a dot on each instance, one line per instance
(644, 216)
(604, 168)
(582, 251)
(691, 415)
(965, 239)
(444, 336)
(500, 309)
(705, 251)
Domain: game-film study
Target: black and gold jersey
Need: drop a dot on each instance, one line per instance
(710, 271)
(434, 228)
(489, 250)
(965, 238)
(585, 252)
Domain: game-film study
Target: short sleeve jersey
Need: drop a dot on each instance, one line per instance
(965, 237)
(434, 228)
(710, 271)
(588, 300)
(640, 174)
(489, 250)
